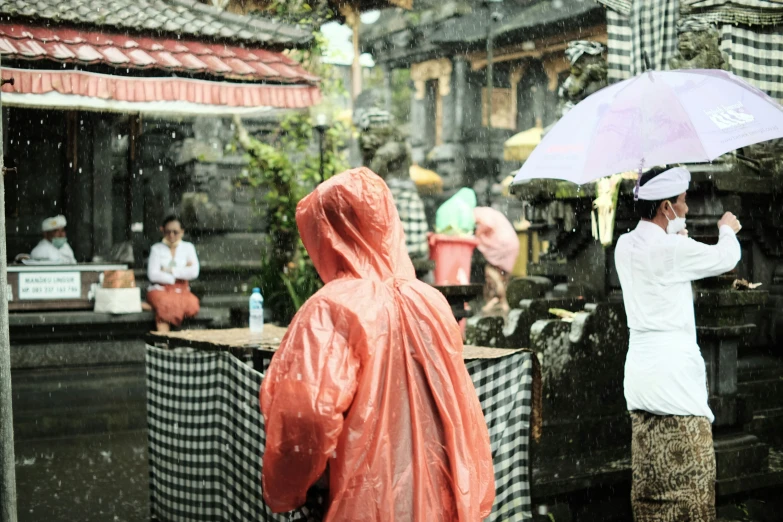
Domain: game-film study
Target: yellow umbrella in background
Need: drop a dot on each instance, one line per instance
(427, 181)
(519, 146)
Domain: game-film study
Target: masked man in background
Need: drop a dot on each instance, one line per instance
(54, 248)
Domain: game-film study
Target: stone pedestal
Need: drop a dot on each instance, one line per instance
(721, 317)
(582, 367)
(530, 299)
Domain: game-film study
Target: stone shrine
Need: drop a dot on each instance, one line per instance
(582, 356)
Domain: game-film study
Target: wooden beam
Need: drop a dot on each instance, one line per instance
(543, 47)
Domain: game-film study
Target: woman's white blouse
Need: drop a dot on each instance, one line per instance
(160, 258)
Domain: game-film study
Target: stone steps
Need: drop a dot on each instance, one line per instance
(763, 394)
(767, 425)
(75, 401)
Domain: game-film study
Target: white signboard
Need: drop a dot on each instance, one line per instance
(50, 285)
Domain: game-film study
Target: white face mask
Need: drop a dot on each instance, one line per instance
(675, 225)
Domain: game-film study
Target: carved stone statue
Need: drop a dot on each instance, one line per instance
(588, 73)
(448, 160)
(767, 157)
(698, 47)
(392, 160)
(376, 130)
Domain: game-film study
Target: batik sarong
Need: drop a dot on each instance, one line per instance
(673, 464)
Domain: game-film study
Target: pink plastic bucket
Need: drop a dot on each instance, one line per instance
(452, 256)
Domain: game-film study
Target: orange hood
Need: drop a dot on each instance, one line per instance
(360, 235)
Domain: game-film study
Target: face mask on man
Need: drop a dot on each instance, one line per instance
(675, 225)
(59, 242)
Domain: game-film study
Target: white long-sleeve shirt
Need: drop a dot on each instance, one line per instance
(46, 252)
(664, 369)
(160, 258)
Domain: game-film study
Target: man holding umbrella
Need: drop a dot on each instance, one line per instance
(673, 460)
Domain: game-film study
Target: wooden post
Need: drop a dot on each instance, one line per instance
(136, 192)
(7, 458)
(102, 180)
(490, 85)
(353, 19)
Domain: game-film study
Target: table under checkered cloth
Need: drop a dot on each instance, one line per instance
(206, 435)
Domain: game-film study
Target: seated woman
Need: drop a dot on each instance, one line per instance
(172, 264)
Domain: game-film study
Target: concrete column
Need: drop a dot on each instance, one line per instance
(387, 87)
(418, 126)
(460, 87)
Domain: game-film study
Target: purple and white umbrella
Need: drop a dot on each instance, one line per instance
(656, 118)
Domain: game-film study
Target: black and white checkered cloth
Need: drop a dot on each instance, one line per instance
(206, 436)
(750, 32)
(504, 387)
(743, 12)
(755, 55)
(636, 27)
(618, 28)
(414, 220)
(654, 31)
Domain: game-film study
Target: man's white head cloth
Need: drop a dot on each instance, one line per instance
(53, 223)
(665, 185)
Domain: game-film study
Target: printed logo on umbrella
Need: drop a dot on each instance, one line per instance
(730, 116)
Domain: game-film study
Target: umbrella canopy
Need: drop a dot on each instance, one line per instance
(519, 146)
(656, 118)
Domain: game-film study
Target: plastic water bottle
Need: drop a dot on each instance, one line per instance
(256, 312)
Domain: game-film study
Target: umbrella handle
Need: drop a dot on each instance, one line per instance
(638, 182)
(646, 58)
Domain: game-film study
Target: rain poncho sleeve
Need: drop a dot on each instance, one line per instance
(304, 409)
(369, 382)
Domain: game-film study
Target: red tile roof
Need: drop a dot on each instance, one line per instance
(144, 90)
(25, 42)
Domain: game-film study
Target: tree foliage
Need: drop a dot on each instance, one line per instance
(286, 172)
(286, 166)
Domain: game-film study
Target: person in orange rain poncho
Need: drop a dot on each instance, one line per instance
(369, 378)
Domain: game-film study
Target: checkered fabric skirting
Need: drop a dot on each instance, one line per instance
(637, 27)
(619, 46)
(746, 12)
(206, 436)
(750, 32)
(755, 56)
(412, 215)
(504, 388)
